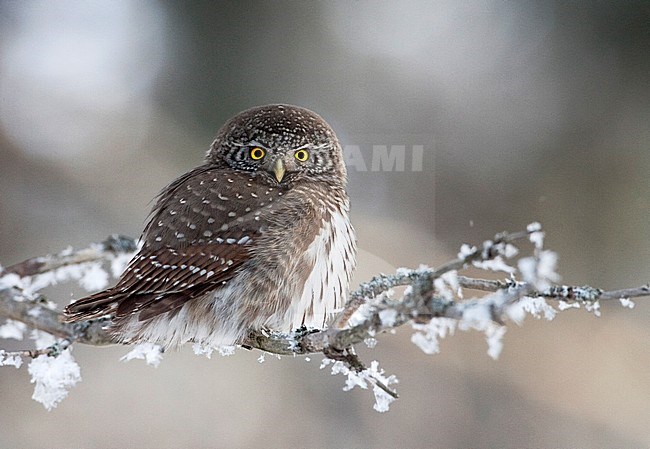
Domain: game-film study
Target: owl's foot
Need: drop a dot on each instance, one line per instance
(303, 330)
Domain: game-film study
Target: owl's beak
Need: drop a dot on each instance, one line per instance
(279, 169)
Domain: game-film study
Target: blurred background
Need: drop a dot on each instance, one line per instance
(523, 111)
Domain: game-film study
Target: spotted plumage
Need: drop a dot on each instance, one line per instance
(256, 237)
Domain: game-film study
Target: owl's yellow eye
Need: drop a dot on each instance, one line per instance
(257, 153)
(301, 155)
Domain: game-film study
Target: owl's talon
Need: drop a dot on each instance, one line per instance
(303, 331)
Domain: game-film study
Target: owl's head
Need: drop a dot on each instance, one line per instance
(279, 144)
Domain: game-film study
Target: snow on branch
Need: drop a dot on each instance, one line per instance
(432, 302)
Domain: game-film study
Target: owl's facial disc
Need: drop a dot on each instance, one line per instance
(281, 144)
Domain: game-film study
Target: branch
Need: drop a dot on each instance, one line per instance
(420, 305)
(51, 351)
(559, 292)
(430, 293)
(114, 244)
(490, 250)
(36, 314)
(19, 302)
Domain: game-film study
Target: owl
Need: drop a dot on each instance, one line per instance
(257, 237)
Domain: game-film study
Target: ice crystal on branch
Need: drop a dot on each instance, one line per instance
(204, 350)
(494, 338)
(388, 317)
(90, 275)
(466, 250)
(94, 277)
(13, 329)
(496, 264)
(427, 336)
(372, 375)
(627, 302)
(149, 352)
(42, 339)
(53, 377)
(535, 306)
(536, 235)
(119, 263)
(226, 350)
(7, 359)
(593, 307)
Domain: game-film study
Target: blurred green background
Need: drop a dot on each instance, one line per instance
(526, 111)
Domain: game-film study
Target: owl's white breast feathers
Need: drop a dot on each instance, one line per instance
(332, 255)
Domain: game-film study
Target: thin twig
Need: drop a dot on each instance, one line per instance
(489, 250)
(51, 351)
(114, 244)
(558, 292)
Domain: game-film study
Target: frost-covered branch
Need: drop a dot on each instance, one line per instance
(584, 294)
(20, 286)
(432, 302)
(39, 314)
(113, 245)
(51, 351)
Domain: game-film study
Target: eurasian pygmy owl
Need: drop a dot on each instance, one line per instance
(256, 237)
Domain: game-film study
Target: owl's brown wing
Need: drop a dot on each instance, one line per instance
(163, 282)
(201, 231)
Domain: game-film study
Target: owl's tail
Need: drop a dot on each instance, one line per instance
(91, 307)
